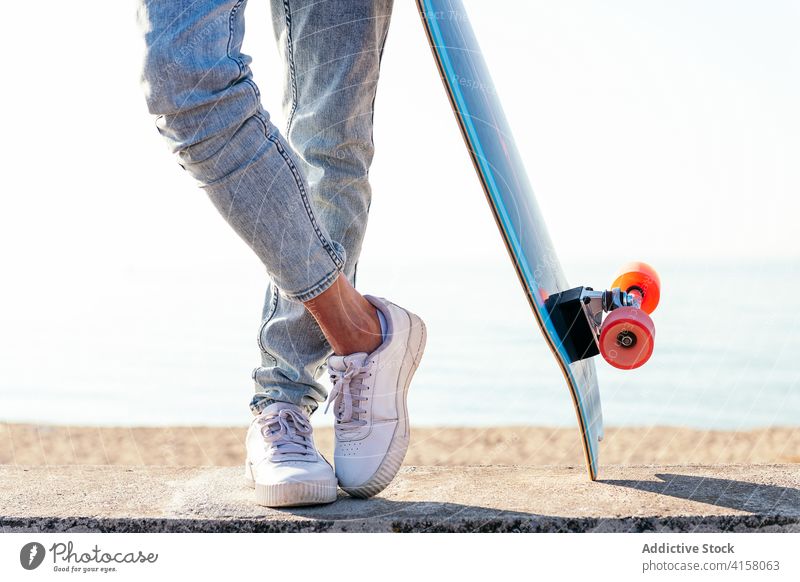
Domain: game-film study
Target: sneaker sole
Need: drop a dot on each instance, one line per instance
(398, 447)
(293, 494)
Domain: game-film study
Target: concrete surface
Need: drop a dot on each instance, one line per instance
(421, 499)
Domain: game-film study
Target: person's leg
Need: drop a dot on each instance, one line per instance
(332, 51)
(198, 84)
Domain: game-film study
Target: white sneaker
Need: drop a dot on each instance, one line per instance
(282, 462)
(369, 402)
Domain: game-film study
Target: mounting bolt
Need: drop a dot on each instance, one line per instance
(626, 339)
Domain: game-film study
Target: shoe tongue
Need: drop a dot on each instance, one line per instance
(340, 363)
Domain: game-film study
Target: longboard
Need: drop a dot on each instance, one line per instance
(502, 175)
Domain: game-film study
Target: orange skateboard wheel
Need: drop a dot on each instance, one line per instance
(627, 337)
(640, 279)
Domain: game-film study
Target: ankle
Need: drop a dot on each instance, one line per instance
(363, 335)
(349, 322)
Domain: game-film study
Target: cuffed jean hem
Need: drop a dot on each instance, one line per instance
(261, 401)
(316, 289)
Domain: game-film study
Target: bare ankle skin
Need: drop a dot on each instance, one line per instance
(349, 322)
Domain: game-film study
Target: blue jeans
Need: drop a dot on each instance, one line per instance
(300, 201)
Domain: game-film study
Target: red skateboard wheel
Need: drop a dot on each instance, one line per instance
(627, 337)
(642, 279)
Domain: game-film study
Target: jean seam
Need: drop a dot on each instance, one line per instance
(337, 260)
(375, 89)
(238, 61)
(287, 11)
(372, 115)
(273, 308)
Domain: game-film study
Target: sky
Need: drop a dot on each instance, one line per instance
(660, 131)
(670, 126)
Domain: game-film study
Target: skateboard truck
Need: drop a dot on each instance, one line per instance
(597, 302)
(625, 335)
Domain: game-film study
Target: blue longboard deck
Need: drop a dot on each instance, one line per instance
(509, 193)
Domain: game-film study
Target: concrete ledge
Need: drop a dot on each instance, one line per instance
(422, 499)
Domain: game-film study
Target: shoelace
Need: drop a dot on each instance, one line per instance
(347, 396)
(289, 432)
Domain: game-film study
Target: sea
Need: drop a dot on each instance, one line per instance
(141, 348)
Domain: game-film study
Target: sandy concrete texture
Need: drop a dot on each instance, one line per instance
(677, 498)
